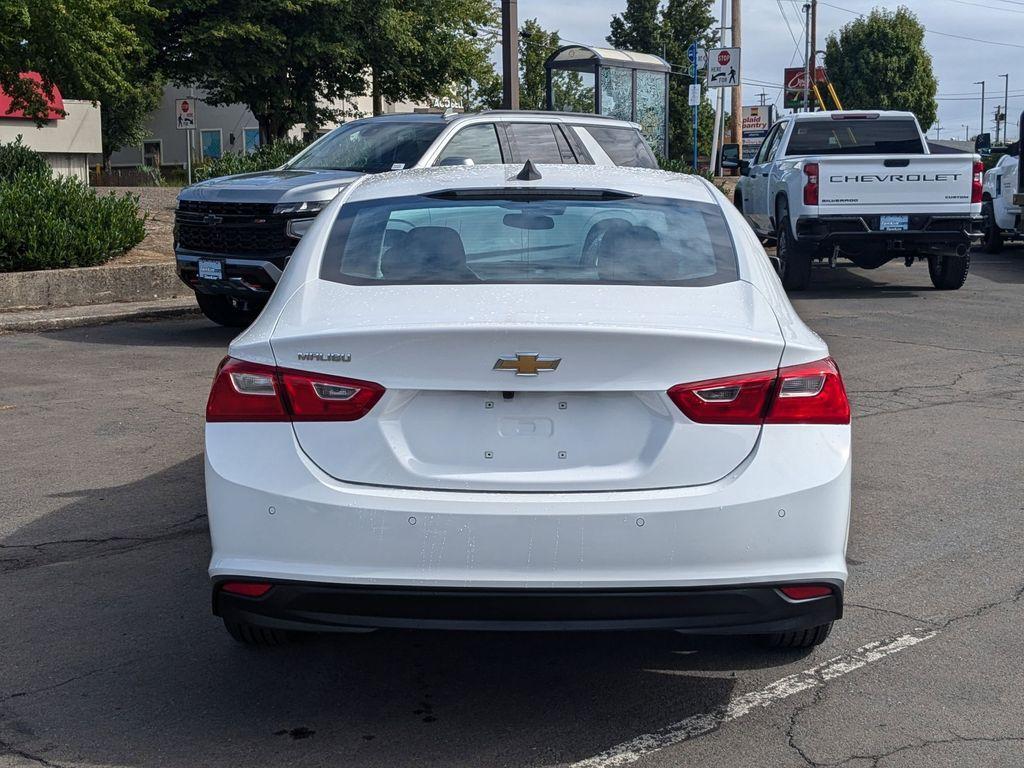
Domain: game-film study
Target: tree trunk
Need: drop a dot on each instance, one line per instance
(378, 97)
(266, 131)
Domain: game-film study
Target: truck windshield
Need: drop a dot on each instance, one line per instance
(855, 137)
(369, 147)
(560, 237)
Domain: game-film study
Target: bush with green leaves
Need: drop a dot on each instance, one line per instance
(16, 158)
(264, 158)
(50, 222)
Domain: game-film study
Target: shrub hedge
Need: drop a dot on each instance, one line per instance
(49, 222)
(264, 158)
(16, 158)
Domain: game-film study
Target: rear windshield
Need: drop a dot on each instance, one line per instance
(559, 238)
(855, 137)
(370, 147)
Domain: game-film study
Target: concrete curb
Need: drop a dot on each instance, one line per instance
(95, 314)
(90, 285)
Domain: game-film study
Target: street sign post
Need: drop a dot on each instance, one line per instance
(185, 120)
(723, 67)
(693, 54)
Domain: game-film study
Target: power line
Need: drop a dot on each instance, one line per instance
(932, 31)
(986, 7)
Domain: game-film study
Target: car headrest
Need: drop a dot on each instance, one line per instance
(426, 255)
(634, 254)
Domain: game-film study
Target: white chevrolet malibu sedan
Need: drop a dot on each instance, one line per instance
(550, 397)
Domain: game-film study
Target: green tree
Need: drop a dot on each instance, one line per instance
(880, 62)
(684, 22)
(639, 27)
(535, 45)
(414, 49)
(284, 59)
(100, 50)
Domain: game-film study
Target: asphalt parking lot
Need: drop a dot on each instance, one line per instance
(109, 655)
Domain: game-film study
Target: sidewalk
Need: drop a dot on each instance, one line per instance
(50, 318)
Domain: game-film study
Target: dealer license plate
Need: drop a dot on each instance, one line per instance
(889, 223)
(211, 270)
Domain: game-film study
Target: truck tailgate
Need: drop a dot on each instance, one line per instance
(861, 184)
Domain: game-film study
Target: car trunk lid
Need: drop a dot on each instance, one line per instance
(527, 388)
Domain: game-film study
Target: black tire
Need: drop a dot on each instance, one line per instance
(249, 634)
(223, 310)
(794, 257)
(948, 271)
(797, 639)
(992, 241)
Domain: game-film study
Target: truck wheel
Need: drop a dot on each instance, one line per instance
(948, 271)
(992, 242)
(250, 634)
(800, 638)
(794, 257)
(224, 311)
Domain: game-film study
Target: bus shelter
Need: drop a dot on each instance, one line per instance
(607, 81)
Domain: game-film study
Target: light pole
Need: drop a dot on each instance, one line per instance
(981, 130)
(1006, 105)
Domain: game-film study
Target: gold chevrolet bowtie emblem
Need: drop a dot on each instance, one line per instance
(527, 365)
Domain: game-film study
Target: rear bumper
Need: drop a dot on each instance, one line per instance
(782, 516)
(747, 609)
(926, 230)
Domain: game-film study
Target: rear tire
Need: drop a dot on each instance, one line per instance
(794, 256)
(250, 634)
(992, 242)
(226, 311)
(797, 639)
(948, 271)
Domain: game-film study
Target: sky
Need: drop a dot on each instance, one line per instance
(768, 46)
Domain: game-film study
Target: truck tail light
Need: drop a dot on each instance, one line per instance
(977, 180)
(244, 391)
(811, 184)
(811, 393)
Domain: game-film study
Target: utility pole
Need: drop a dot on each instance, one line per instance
(807, 55)
(1006, 109)
(981, 130)
(509, 54)
(967, 130)
(813, 71)
(764, 98)
(737, 90)
(719, 105)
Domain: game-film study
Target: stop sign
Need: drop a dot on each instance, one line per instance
(184, 104)
(723, 57)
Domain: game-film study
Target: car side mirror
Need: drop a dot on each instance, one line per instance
(744, 167)
(455, 160)
(776, 264)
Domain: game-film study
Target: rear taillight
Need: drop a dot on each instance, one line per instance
(811, 393)
(811, 184)
(977, 181)
(244, 391)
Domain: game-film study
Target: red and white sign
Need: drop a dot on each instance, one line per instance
(723, 67)
(794, 79)
(185, 114)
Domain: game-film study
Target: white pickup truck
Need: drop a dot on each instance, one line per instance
(862, 186)
(1003, 201)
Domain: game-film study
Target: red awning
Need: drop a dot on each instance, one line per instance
(56, 103)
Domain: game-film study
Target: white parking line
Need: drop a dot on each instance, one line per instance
(696, 725)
